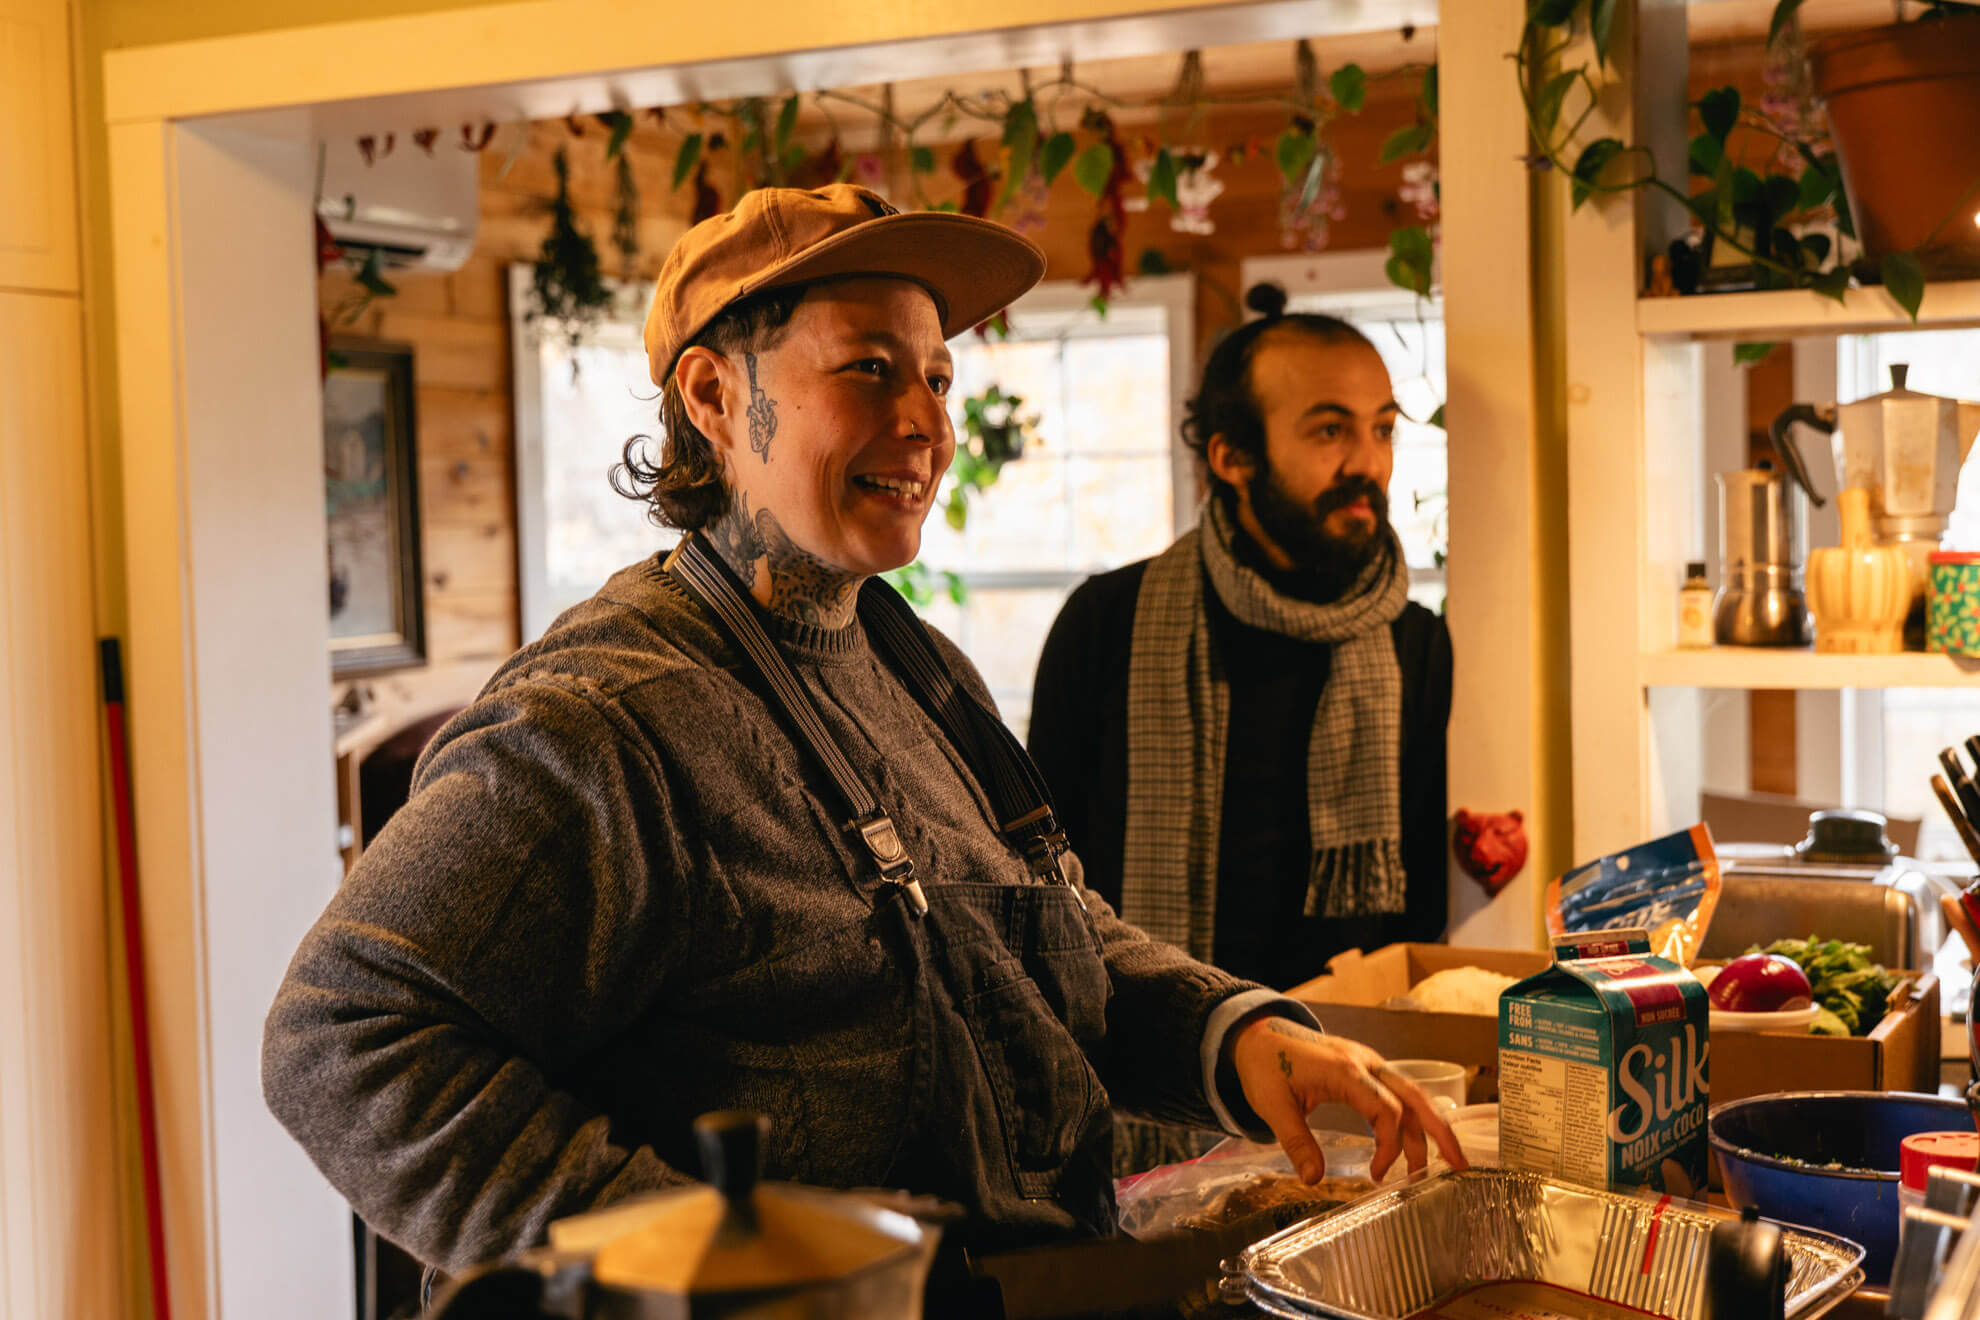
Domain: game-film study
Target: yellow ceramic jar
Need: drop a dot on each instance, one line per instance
(1859, 592)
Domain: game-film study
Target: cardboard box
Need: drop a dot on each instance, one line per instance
(1347, 1001)
(1901, 1054)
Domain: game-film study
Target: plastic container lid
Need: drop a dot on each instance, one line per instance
(1923, 1151)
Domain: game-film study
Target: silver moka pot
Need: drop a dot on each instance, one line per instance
(1763, 551)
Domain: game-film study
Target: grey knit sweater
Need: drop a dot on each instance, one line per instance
(620, 896)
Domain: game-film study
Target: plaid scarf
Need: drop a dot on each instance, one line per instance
(1178, 722)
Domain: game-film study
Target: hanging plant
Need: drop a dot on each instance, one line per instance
(1762, 228)
(625, 200)
(567, 286)
(995, 432)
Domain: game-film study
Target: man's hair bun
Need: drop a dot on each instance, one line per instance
(1268, 300)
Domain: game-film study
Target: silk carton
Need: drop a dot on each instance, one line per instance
(1604, 1067)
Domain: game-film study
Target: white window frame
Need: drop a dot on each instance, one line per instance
(1353, 283)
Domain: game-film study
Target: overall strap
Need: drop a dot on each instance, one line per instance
(1017, 791)
(708, 582)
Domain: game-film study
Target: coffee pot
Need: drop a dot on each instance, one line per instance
(1763, 553)
(1902, 446)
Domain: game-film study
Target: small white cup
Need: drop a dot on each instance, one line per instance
(1442, 1082)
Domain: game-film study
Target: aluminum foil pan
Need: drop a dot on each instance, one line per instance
(1393, 1254)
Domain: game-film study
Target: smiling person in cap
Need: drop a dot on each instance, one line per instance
(739, 832)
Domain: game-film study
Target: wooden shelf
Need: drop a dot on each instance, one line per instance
(1756, 667)
(1790, 313)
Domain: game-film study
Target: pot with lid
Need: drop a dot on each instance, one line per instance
(1903, 446)
(741, 1249)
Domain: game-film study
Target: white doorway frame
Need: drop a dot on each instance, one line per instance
(220, 417)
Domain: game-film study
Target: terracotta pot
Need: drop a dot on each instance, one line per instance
(1904, 112)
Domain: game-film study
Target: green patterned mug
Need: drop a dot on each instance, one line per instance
(1952, 623)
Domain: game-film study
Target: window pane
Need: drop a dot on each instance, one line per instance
(1052, 511)
(1126, 509)
(1917, 723)
(1021, 523)
(1117, 395)
(590, 531)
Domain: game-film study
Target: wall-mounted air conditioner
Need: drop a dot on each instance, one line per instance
(417, 210)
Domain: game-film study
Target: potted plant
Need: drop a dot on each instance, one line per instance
(1904, 102)
(1904, 114)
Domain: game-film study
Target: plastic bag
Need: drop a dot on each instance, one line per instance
(1668, 887)
(1170, 1198)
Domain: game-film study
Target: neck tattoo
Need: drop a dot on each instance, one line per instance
(783, 577)
(762, 413)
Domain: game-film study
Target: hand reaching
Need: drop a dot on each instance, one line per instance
(1287, 1070)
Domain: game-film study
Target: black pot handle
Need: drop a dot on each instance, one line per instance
(732, 1145)
(1746, 1272)
(492, 1292)
(1822, 419)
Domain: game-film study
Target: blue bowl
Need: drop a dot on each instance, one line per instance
(1772, 1149)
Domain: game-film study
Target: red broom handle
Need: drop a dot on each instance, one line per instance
(127, 880)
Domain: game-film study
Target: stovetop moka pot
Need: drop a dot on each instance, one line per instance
(1763, 553)
(739, 1250)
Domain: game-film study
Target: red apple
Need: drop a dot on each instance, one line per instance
(1761, 983)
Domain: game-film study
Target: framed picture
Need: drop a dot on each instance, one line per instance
(371, 497)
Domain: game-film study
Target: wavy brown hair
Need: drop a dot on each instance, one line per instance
(685, 486)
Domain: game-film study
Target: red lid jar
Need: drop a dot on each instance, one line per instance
(1922, 1152)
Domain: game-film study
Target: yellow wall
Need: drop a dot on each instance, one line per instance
(122, 23)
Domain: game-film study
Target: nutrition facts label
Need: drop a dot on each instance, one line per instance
(1553, 1116)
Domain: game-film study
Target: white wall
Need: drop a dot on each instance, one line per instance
(254, 484)
(224, 494)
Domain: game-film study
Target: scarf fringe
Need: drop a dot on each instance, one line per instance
(1357, 879)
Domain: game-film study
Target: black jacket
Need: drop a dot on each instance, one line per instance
(1079, 739)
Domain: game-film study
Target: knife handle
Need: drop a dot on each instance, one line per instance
(1967, 834)
(1963, 787)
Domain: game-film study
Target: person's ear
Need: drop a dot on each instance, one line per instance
(704, 379)
(1227, 462)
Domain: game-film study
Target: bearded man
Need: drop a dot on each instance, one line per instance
(1245, 734)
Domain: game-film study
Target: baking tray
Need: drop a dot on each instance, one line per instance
(1390, 1255)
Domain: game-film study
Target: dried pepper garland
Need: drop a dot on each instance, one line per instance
(1102, 169)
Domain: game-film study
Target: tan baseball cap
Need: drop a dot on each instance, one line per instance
(776, 237)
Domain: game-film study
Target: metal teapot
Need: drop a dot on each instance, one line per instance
(1902, 446)
(740, 1250)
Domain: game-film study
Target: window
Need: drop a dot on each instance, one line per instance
(1409, 334)
(1906, 727)
(1106, 482)
(574, 412)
